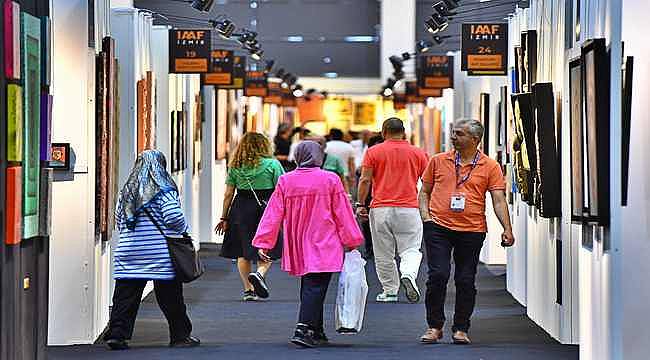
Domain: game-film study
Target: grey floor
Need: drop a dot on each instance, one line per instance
(231, 329)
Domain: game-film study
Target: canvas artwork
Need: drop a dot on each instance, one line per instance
(60, 156)
(11, 33)
(596, 87)
(14, 123)
(45, 206)
(197, 132)
(628, 71)
(149, 118)
(46, 126)
(174, 142)
(222, 115)
(101, 144)
(364, 113)
(13, 205)
(31, 70)
(577, 140)
(484, 113)
(524, 146)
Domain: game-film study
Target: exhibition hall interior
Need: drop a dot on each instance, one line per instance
(243, 127)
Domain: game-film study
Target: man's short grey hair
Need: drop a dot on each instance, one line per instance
(474, 127)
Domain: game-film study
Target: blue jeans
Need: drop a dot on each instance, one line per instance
(313, 288)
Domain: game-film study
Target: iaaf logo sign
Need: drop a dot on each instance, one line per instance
(190, 37)
(485, 32)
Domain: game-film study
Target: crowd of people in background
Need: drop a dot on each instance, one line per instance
(292, 199)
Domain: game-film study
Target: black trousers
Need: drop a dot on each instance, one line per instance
(466, 246)
(126, 301)
(313, 288)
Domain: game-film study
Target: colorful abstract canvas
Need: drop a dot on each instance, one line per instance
(13, 205)
(46, 126)
(31, 70)
(14, 123)
(11, 33)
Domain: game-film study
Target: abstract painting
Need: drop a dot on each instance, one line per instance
(14, 123)
(13, 205)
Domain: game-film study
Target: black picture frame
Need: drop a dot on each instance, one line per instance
(484, 111)
(596, 95)
(174, 142)
(626, 109)
(577, 146)
(60, 157)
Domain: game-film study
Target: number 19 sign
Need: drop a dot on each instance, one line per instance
(189, 51)
(485, 48)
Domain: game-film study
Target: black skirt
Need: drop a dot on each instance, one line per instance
(244, 217)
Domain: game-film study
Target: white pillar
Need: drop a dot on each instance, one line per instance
(397, 34)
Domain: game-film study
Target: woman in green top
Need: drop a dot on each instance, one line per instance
(253, 174)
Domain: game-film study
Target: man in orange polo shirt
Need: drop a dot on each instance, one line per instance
(454, 219)
(393, 168)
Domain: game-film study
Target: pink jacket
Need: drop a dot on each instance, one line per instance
(318, 222)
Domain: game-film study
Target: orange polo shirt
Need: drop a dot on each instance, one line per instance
(441, 172)
(396, 168)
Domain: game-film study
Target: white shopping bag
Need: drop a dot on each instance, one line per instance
(351, 295)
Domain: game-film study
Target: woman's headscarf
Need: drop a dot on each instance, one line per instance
(148, 178)
(309, 154)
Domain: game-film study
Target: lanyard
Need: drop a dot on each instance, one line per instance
(466, 177)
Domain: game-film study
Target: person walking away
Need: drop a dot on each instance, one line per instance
(149, 198)
(318, 227)
(454, 220)
(365, 225)
(282, 142)
(393, 169)
(253, 174)
(331, 162)
(344, 151)
(302, 134)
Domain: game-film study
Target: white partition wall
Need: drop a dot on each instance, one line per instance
(79, 290)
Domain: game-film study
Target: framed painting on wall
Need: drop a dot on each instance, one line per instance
(577, 144)
(628, 71)
(174, 141)
(31, 70)
(13, 205)
(60, 156)
(197, 133)
(14, 123)
(221, 122)
(484, 113)
(595, 69)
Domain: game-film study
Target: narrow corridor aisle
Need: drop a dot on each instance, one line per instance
(231, 329)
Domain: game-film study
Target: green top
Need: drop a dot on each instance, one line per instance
(334, 164)
(262, 177)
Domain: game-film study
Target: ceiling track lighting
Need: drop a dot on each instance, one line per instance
(436, 23)
(442, 9)
(423, 46)
(225, 28)
(202, 5)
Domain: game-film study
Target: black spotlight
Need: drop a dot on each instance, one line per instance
(436, 23)
(442, 9)
(202, 5)
(406, 56)
(269, 66)
(398, 64)
(423, 46)
(438, 39)
(451, 4)
(224, 28)
(256, 54)
(280, 73)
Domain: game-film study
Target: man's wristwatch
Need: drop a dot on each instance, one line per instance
(358, 205)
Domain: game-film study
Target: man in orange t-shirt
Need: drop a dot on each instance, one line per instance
(454, 219)
(393, 168)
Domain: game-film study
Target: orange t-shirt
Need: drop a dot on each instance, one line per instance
(396, 168)
(441, 172)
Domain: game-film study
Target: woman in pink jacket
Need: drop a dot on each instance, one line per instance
(318, 227)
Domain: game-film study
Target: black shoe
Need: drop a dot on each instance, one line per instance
(117, 344)
(320, 338)
(257, 280)
(189, 341)
(303, 336)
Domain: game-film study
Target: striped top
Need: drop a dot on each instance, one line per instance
(142, 253)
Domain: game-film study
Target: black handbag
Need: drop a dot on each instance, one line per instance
(186, 260)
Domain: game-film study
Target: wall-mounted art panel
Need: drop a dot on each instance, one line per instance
(595, 68)
(222, 125)
(11, 33)
(173, 125)
(548, 162)
(577, 148)
(31, 70)
(484, 114)
(13, 205)
(60, 156)
(46, 126)
(628, 71)
(525, 157)
(14, 123)
(197, 133)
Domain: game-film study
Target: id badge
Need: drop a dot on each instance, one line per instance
(457, 203)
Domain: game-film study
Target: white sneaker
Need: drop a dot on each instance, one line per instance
(411, 289)
(387, 298)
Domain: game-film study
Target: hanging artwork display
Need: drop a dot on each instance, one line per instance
(197, 133)
(46, 51)
(365, 113)
(11, 33)
(46, 126)
(60, 156)
(182, 116)
(549, 200)
(528, 70)
(222, 126)
(45, 206)
(525, 158)
(31, 70)
(14, 123)
(13, 205)
(484, 113)
(175, 148)
(515, 78)
(595, 69)
(626, 110)
(578, 148)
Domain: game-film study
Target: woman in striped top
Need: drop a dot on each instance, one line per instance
(149, 194)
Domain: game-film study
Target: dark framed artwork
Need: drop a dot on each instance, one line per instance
(182, 131)
(577, 150)
(60, 156)
(484, 111)
(523, 73)
(516, 76)
(174, 163)
(197, 132)
(549, 199)
(595, 69)
(524, 146)
(626, 96)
